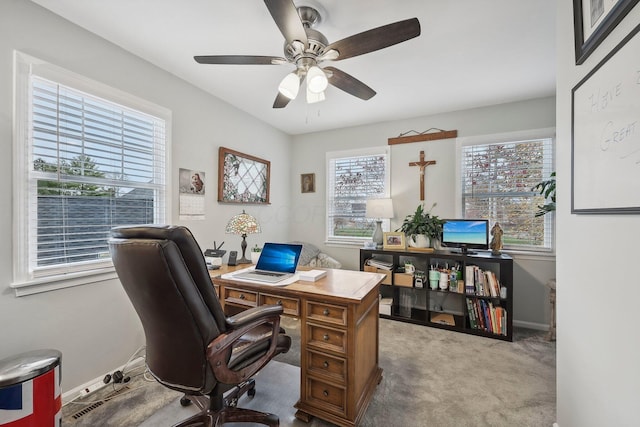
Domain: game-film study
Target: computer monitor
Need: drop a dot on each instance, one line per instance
(465, 234)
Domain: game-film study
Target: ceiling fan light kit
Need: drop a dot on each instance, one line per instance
(316, 80)
(290, 85)
(307, 48)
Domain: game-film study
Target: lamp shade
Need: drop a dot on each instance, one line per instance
(379, 208)
(316, 80)
(290, 85)
(243, 224)
(312, 98)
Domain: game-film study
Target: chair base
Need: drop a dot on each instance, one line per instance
(211, 415)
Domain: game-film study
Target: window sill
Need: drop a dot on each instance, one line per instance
(531, 255)
(52, 283)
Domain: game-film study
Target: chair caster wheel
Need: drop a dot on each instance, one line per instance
(251, 392)
(185, 401)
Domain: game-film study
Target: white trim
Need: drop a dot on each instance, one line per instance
(531, 325)
(51, 283)
(26, 281)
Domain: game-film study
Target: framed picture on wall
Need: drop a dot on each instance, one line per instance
(593, 20)
(242, 178)
(605, 142)
(308, 182)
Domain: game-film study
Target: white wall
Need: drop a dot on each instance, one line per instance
(598, 347)
(95, 326)
(308, 224)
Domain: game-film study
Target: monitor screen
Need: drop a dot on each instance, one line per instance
(465, 234)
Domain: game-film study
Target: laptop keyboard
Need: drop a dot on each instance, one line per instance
(264, 273)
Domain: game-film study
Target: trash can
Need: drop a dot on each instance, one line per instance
(30, 389)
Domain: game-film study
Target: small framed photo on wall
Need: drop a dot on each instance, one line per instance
(308, 182)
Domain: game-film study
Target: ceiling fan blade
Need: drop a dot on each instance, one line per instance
(349, 84)
(281, 101)
(286, 16)
(240, 60)
(377, 38)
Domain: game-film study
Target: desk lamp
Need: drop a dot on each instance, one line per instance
(243, 224)
(379, 209)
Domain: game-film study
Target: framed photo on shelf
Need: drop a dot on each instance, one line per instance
(393, 241)
(242, 178)
(308, 182)
(605, 142)
(593, 20)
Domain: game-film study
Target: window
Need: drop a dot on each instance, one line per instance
(87, 164)
(353, 177)
(497, 180)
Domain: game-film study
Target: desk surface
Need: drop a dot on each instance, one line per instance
(346, 285)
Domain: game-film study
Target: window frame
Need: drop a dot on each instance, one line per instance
(368, 151)
(505, 138)
(26, 280)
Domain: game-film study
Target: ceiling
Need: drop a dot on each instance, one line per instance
(470, 53)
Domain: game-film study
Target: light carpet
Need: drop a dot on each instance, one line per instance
(431, 377)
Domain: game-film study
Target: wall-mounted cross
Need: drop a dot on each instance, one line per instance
(423, 164)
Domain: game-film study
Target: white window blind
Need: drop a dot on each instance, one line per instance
(94, 165)
(352, 178)
(87, 157)
(497, 181)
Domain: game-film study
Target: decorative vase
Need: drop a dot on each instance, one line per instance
(418, 241)
(254, 257)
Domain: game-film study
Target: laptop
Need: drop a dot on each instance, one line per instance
(277, 262)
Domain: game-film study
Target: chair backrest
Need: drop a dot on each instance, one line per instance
(163, 271)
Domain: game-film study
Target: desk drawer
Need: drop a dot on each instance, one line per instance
(325, 338)
(326, 396)
(321, 364)
(290, 306)
(241, 297)
(328, 313)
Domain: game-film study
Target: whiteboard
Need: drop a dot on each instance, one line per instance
(605, 145)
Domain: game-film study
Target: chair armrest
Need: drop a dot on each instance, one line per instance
(252, 314)
(219, 350)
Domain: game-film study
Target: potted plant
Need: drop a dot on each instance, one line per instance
(255, 254)
(421, 227)
(547, 188)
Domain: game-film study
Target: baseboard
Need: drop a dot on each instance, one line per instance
(98, 382)
(531, 325)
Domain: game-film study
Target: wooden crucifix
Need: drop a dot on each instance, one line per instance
(423, 164)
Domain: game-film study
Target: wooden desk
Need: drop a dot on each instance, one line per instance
(338, 337)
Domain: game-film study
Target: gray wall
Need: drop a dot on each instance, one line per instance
(94, 325)
(531, 306)
(598, 349)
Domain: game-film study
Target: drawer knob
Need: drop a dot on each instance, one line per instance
(325, 364)
(325, 337)
(325, 393)
(279, 302)
(326, 312)
(241, 296)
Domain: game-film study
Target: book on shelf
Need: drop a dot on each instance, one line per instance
(481, 282)
(485, 316)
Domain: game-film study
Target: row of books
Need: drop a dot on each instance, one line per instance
(481, 282)
(485, 316)
(384, 265)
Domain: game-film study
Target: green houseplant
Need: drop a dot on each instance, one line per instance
(547, 188)
(421, 222)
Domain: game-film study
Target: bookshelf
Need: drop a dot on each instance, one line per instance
(478, 301)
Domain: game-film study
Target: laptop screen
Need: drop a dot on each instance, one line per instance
(280, 257)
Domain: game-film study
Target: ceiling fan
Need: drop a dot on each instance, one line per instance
(306, 48)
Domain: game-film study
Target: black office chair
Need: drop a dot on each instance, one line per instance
(191, 346)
